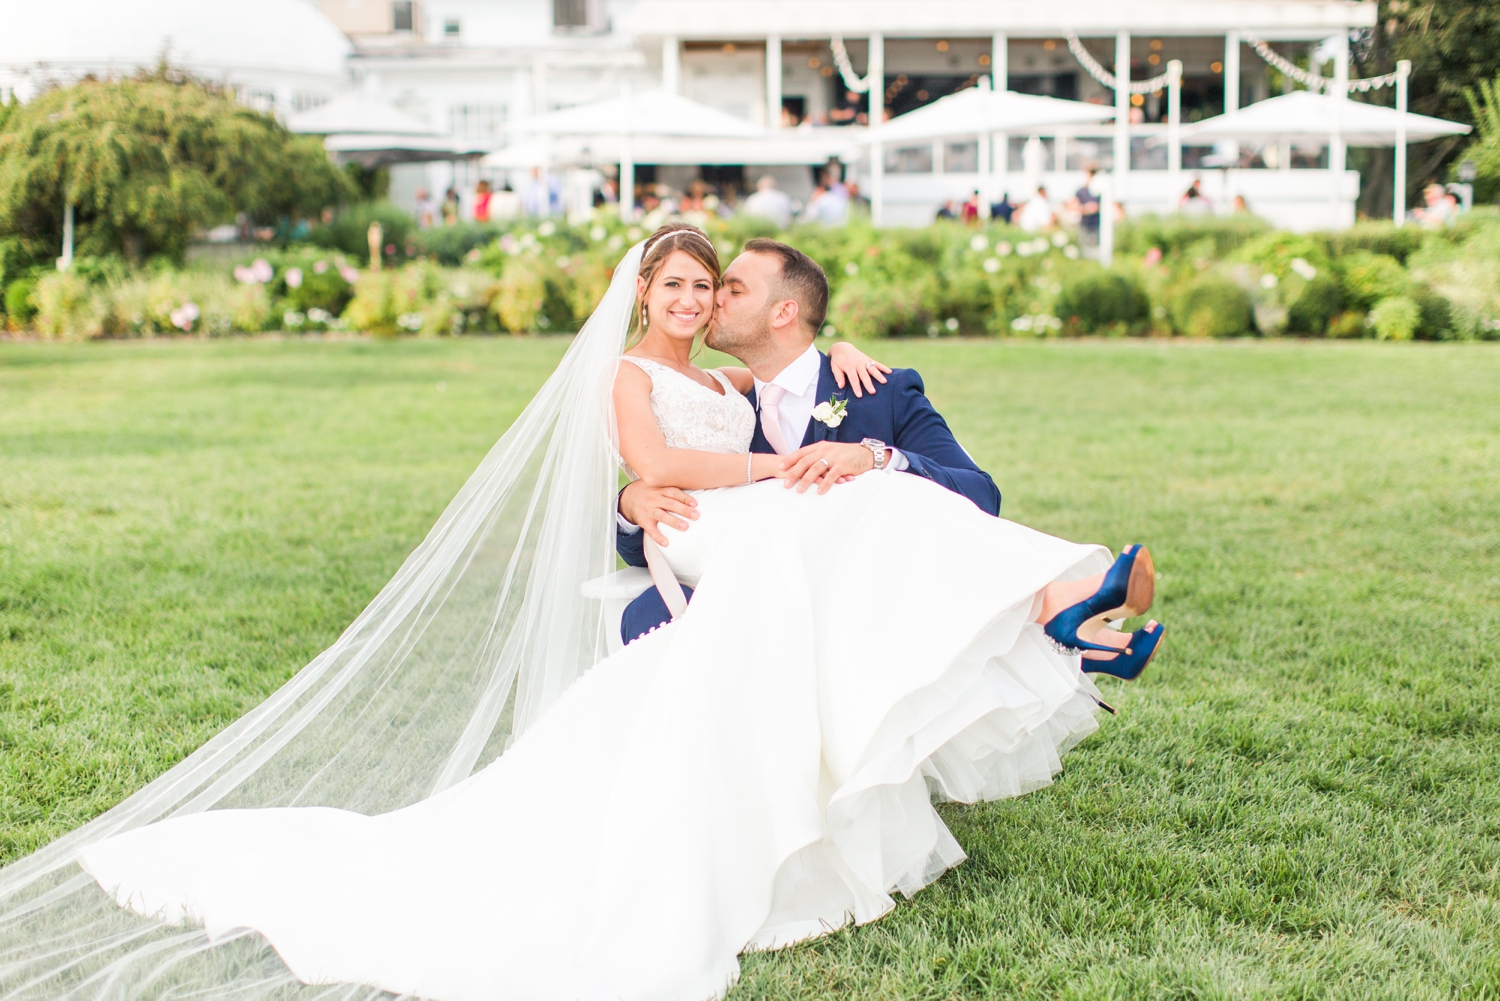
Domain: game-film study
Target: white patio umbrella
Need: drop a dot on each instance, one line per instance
(979, 111)
(373, 132)
(359, 114)
(652, 113)
(1303, 116)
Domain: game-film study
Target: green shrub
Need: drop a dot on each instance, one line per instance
(410, 300)
(1285, 255)
(1367, 277)
(451, 245)
(1187, 236)
(866, 307)
(1212, 306)
(520, 295)
(20, 301)
(1396, 318)
(1437, 314)
(1102, 301)
(350, 231)
(1349, 324)
(1386, 238)
(1464, 267)
(1318, 303)
(68, 307)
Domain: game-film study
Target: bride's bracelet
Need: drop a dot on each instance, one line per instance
(749, 464)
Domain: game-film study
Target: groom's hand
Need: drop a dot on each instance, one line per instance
(652, 507)
(825, 463)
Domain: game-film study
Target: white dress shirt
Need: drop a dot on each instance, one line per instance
(800, 380)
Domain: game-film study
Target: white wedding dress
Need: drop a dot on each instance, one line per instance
(757, 772)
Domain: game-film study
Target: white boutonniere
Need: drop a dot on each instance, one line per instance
(831, 411)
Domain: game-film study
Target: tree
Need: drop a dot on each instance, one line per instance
(1452, 48)
(148, 160)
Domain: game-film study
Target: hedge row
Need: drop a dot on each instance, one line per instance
(1173, 276)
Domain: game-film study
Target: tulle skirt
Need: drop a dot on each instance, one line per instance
(758, 772)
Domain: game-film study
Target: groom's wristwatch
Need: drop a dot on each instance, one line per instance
(878, 450)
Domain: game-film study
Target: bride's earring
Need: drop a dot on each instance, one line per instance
(645, 320)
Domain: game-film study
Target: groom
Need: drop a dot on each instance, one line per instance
(771, 305)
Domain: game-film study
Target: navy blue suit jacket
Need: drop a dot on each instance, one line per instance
(899, 415)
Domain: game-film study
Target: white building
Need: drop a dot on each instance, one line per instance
(469, 67)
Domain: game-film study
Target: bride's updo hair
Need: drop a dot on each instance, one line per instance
(660, 245)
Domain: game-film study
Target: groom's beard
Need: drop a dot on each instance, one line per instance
(746, 339)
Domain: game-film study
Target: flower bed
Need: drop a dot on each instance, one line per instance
(1172, 277)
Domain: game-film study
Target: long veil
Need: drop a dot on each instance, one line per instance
(469, 643)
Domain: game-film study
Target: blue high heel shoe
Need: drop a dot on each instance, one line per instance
(1133, 659)
(1127, 591)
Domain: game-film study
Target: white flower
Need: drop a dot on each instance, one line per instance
(598, 233)
(834, 422)
(992, 264)
(979, 242)
(1024, 249)
(823, 412)
(1268, 281)
(1306, 270)
(547, 228)
(1059, 239)
(1003, 248)
(1070, 252)
(951, 323)
(851, 269)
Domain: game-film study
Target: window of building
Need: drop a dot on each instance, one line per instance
(570, 13)
(452, 29)
(402, 15)
(307, 100)
(578, 15)
(476, 121)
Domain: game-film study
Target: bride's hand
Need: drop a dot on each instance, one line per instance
(859, 369)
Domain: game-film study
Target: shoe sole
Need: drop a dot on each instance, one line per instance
(1140, 592)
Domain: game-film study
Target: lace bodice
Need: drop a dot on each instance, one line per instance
(693, 416)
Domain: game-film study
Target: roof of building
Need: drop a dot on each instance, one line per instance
(820, 18)
(210, 37)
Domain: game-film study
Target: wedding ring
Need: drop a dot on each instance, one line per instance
(871, 363)
(825, 462)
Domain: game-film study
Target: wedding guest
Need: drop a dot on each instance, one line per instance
(1087, 206)
(1036, 215)
(1003, 209)
(971, 208)
(769, 202)
(948, 210)
(482, 201)
(505, 204)
(426, 209)
(1194, 202)
(450, 207)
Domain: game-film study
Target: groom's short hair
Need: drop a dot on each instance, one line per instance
(801, 279)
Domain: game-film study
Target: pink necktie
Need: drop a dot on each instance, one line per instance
(770, 417)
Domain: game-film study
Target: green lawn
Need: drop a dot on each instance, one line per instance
(1300, 800)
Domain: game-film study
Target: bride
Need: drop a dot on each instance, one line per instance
(759, 771)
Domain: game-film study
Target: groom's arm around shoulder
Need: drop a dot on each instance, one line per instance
(926, 441)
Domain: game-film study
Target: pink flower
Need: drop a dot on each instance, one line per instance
(183, 316)
(320, 267)
(294, 277)
(261, 269)
(244, 275)
(1153, 257)
(350, 275)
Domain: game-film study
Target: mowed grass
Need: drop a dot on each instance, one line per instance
(1300, 800)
